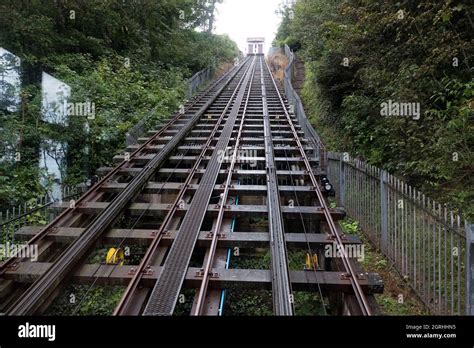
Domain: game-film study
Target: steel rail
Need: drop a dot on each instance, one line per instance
(145, 262)
(358, 292)
(308, 244)
(157, 235)
(281, 285)
(36, 294)
(216, 232)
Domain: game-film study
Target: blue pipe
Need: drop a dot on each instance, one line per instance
(227, 263)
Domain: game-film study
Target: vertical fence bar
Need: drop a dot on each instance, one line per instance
(451, 253)
(426, 226)
(389, 216)
(409, 244)
(342, 181)
(359, 190)
(460, 283)
(370, 210)
(395, 217)
(384, 210)
(373, 205)
(417, 240)
(439, 260)
(404, 232)
(469, 268)
(445, 232)
(433, 254)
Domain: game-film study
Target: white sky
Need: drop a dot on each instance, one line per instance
(11, 76)
(248, 18)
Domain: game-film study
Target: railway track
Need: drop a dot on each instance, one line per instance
(282, 294)
(237, 141)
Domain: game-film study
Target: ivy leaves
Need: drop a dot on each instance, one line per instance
(414, 52)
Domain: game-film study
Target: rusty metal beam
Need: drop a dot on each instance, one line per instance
(160, 209)
(27, 272)
(143, 237)
(184, 172)
(158, 187)
(192, 159)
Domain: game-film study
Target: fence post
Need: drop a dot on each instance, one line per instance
(342, 180)
(384, 211)
(469, 268)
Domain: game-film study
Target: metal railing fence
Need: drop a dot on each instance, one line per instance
(422, 239)
(33, 213)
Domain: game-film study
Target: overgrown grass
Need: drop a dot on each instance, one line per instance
(398, 298)
(86, 300)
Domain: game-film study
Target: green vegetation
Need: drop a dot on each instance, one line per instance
(394, 285)
(308, 303)
(249, 260)
(248, 303)
(86, 300)
(130, 58)
(185, 302)
(259, 302)
(362, 53)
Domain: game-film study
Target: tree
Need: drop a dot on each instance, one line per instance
(128, 57)
(362, 53)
